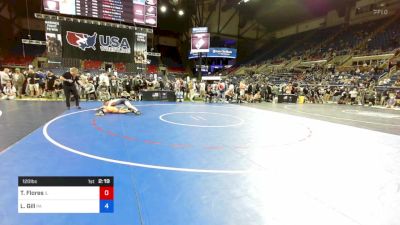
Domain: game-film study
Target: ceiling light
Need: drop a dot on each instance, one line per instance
(180, 12)
(163, 8)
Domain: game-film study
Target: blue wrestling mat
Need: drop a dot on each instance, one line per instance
(180, 164)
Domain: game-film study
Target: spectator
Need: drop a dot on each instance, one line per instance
(58, 88)
(192, 90)
(103, 78)
(70, 80)
(114, 87)
(9, 91)
(19, 80)
(49, 84)
(90, 90)
(42, 84)
(4, 77)
(33, 81)
(103, 93)
(202, 88)
(353, 96)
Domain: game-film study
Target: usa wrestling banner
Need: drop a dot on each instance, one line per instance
(90, 41)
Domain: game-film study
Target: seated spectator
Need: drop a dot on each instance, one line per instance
(391, 101)
(4, 77)
(256, 97)
(397, 83)
(9, 91)
(398, 98)
(211, 93)
(230, 93)
(126, 95)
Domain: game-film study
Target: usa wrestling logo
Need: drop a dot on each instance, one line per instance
(81, 40)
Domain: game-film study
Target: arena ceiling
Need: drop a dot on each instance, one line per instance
(272, 14)
(275, 14)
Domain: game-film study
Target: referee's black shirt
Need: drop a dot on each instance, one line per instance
(68, 76)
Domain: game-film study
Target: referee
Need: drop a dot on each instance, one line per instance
(70, 79)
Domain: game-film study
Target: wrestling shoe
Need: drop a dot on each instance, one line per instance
(137, 112)
(101, 113)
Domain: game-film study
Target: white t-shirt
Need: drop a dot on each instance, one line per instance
(104, 78)
(4, 77)
(202, 86)
(353, 94)
(10, 90)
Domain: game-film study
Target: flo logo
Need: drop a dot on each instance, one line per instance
(81, 40)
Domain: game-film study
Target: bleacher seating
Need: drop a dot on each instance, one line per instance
(120, 67)
(92, 65)
(152, 69)
(17, 61)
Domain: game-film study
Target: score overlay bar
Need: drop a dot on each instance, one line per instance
(65, 194)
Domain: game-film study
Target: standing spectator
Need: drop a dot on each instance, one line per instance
(230, 93)
(221, 90)
(184, 88)
(96, 81)
(83, 79)
(70, 80)
(202, 89)
(33, 81)
(126, 84)
(384, 98)
(162, 84)
(362, 96)
(192, 90)
(104, 79)
(353, 96)
(178, 90)
(42, 83)
(242, 88)
(19, 80)
(9, 91)
(336, 96)
(114, 87)
(137, 83)
(58, 88)
(49, 87)
(371, 97)
(90, 90)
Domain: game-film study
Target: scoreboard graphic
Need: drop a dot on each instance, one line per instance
(65, 194)
(141, 12)
(200, 40)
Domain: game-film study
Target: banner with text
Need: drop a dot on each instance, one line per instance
(140, 50)
(230, 53)
(53, 41)
(90, 41)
